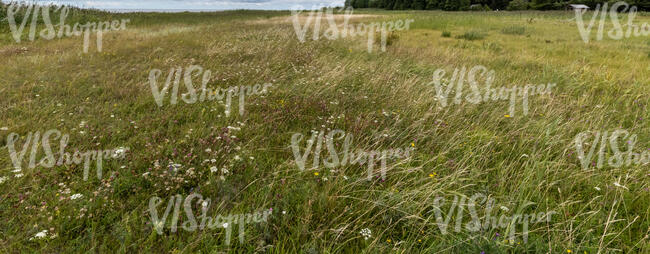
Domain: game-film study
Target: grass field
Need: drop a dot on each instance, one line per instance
(527, 164)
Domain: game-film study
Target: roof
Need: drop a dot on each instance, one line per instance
(579, 6)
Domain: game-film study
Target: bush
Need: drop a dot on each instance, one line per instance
(472, 35)
(515, 30)
(446, 34)
(518, 5)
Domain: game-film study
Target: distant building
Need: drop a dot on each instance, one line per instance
(579, 7)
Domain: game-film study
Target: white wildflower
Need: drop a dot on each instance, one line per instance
(214, 169)
(366, 233)
(119, 152)
(4, 128)
(39, 235)
(3, 179)
(76, 196)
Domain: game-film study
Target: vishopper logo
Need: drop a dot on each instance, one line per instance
(616, 33)
(32, 14)
(488, 221)
(333, 32)
(49, 160)
(191, 225)
(444, 86)
(205, 93)
(600, 140)
(334, 160)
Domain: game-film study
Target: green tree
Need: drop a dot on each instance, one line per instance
(499, 4)
(450, 5)
(463, 5)
(542, 4)
(399, 5)
(433, 5)
(419, 4)
(518, 5)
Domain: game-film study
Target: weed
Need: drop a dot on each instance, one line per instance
(514, 30)
(471, 36)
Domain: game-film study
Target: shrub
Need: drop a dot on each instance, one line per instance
(472, 35)
(446, 34)
(518, 5)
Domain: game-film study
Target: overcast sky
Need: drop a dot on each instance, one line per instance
(198, 4)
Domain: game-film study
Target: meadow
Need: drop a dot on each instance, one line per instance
(244, 162)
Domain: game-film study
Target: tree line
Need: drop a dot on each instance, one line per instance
(485, 5)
